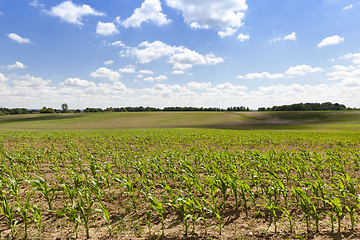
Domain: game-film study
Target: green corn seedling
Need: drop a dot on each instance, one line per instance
(37, 217)
(45, 189)
(7, 212)
(24, 210)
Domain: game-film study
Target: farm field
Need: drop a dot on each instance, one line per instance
(319, 120)
(291, 176)
(179, 184)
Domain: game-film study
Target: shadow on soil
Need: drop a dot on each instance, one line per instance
(32, 118)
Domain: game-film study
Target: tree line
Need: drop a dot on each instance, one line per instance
(307, 107)
(292, 107)
(166, 109)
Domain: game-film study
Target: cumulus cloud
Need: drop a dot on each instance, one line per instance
(151, 51)
(243, 37)
(145, 72)
(178, 72)
(30, 81)
(17, 65)
(228, 87)
(106, 73)
(211, 13)
(127, 69)
(262, 75)
(161, 78)
(228, 32)
(109, 62)
(343, 68)
(354, 57)
(331, 41)
(301, 70)
(348, 7)
(72, 13)
(150, 10)
(182, 58)
(349, 75)
(106, 29)
(36, 3)
(118, 44)
(17, 38)
(76, 82)
(197, 85)
(149, 79)
(291, 36)
(3, 78)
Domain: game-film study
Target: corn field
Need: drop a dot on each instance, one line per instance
(178, 183)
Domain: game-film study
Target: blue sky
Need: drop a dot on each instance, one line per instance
(203, 53)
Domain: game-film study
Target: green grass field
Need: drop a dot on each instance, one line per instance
(319, 121)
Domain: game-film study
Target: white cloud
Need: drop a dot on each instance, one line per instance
(275, 39)
(182, 58)
(228, 32)
(3, 78)
(17, 38)
(1, 14)
(17, 65)
(30, 81)
(197, 85)
(243, 37)
(187, 59)
(291, 36)
(145, 72)
(72, 13)
(161, 78)
(128, 69)
(150, 10)
(348, 7)
(343, 68)
(118, 44)
(36, 3)
(139, 76)
(109, 62)
(178, 72)
(76, 82)
(106, 73)
(331, 41)
(211, 13)
(149, 79)
(152, 51)
(262, 75)
(228, 87)
(354, 57)
(301, 70)
(106, 29)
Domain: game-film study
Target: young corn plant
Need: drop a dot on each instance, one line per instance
(275, 218)
(45, 189)
(336, 208)
(37, 218)
(156, 205)
(72, 214)
(7, 211)
(85, 210)
(24, 210)
(181, 204)
(105, 214)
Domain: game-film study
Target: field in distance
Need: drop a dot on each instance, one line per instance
(319, 120)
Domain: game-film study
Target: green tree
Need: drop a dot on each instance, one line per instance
(65, 108)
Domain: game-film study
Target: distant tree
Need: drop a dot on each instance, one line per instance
(65, 108)
(47, 110)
